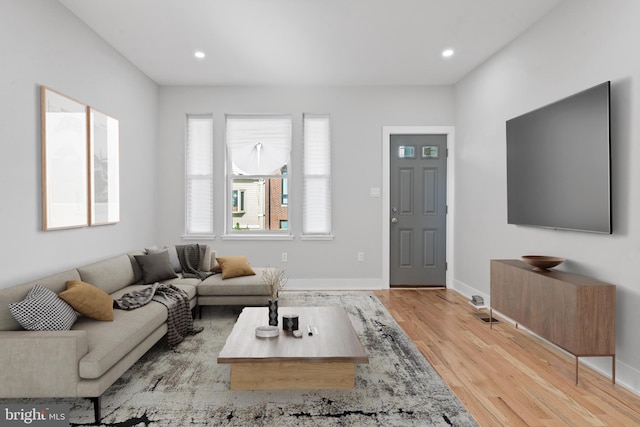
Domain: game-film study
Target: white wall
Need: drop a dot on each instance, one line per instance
(577, 46)
(42, 43)
(357, 117)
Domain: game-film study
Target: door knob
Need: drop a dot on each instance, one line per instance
(394, 220)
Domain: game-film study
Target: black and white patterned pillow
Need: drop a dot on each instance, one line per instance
(43, 310)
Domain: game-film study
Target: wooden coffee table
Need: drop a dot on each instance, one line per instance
(322, 361)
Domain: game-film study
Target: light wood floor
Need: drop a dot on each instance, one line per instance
(505, 376)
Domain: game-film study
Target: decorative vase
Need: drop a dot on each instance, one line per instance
(290, 322)
(273, 312)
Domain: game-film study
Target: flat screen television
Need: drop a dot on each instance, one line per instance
(559, 164)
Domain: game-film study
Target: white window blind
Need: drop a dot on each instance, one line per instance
(316, 206)
(258, 145)
(199, 175)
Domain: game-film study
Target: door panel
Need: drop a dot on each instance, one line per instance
(405, 192)
(406, 248)
(430, 191)
(418, 170)
(429, 248)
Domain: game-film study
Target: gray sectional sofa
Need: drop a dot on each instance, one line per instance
(87, 359)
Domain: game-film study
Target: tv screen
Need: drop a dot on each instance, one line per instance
(558, 164)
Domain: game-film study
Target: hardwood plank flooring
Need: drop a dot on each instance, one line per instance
(506, 376)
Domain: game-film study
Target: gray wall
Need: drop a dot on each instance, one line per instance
(578, 45)
(42, 43)
(357, 117)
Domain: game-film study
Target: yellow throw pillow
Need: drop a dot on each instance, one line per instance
(88, 300)
(235, 266)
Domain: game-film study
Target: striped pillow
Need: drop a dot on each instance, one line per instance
(43, 310)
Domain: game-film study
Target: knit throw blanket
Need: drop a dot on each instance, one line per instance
(179, 320)
(191, 259)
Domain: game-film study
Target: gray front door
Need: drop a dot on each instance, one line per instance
(418, 211)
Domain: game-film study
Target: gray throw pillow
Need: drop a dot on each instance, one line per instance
(155, 267)
(43, 310)
(173, 256)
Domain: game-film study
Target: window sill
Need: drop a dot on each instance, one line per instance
(317, 237)
(198, 237)
(257, 237)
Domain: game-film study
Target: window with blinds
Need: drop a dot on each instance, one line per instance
(199, 175)
(316, 205)
(258, 154)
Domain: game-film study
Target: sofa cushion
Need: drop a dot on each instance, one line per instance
(43, 310)
(235, 266)
(137, 273)
(237, 286)
(110, 274)
(155, 267)
(88, 300)
(243, 300)
(189, 285)
(111, 341)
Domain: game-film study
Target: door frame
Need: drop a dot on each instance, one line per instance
(387, 131)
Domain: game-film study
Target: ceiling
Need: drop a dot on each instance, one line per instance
(308, 42)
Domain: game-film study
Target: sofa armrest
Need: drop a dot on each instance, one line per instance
(41, 363)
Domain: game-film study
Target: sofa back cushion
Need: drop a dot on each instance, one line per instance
(110, 275)
(56, 282)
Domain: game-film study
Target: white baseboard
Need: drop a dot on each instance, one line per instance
(626, 376)
(469, 291)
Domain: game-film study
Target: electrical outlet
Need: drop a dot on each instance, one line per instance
(284, 257)
(360, 256)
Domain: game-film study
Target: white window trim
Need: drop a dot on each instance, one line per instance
(258, 236)
(198, 237)
(317, 237)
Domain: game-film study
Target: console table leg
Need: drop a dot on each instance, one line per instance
(490, 318)
(613, 369)
(576, 370)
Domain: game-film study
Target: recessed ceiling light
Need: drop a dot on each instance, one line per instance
(199, 54)
(447, 53)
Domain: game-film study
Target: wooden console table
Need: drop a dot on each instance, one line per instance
(574, 312)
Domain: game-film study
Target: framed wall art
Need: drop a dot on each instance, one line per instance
(104, 169)
(64, 161)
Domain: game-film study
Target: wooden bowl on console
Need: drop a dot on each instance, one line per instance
(542, 262)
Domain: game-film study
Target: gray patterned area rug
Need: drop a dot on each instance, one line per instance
(186, 387)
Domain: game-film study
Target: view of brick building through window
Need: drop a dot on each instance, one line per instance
(278, 208)
(260, 203)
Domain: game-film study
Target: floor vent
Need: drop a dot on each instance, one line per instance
(486, 318)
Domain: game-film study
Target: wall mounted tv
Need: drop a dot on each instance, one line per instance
(558, 164)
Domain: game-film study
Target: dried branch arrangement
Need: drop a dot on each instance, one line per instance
(275, 279)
